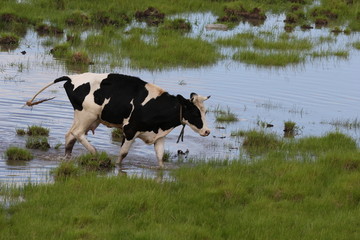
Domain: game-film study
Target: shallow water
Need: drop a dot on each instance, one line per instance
(310, 94)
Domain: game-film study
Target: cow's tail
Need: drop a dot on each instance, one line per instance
(31, 103)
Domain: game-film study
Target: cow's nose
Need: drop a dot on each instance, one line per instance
(207, 133)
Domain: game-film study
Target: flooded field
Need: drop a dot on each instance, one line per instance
(317, 95)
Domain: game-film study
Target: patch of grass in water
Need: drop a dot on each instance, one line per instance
(60, 50)
(329, 53)
(239, 40)
(35, 130)
(356, 45)
(345, 123)
(65, 170)
(20, 132)
(335, 141)
(178, 24)
(9, 39)
(37, 142)
(222, 115)
(169, 50)
(79, 57)
(16, 153)
(280, 59)
(117, 134)
(259, 141)
(95, 162)
(283, 44)
(290, 129)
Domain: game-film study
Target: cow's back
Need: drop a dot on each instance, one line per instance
(120, 93)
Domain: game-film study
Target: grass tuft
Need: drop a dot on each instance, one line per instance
(35, 130)
(179, 24)
(65, 170)
(184, 51)
(117, 134)
(280, 59)
(290, 129)
(95, 162)
(9, 39)
(80, 57)
(16, 153)
(37, 142)
(222, 115)
(356, 45)
(345, 123)
(259, 141)
(20, 132)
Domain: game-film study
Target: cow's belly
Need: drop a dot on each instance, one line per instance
(151, 137)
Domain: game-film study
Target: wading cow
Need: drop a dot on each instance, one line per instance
(142, 110)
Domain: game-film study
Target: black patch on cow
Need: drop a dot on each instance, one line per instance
(162, 113)
(120, 90)
(78, 95)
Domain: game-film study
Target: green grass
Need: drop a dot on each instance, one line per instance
(35, 130)
(65, 170)
(277, 196)
(239, 40)
(95, 162)
(16, 153)
(290, 129)
(37, 142)
(345, 123)
(278, 59)
(169, 49)
(222, 115)
(257, 142)
(117, 134)
(20, 132)
(356, 45)
(283, 44)
(322, 54)
(9, 39)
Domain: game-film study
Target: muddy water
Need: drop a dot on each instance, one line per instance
(310, 94)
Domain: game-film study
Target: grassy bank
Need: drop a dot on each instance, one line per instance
(279, 196)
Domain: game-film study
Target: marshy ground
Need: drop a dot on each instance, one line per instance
(278, 65)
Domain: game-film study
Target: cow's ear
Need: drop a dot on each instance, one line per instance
(192, 97)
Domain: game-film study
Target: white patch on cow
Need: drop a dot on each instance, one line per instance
(126, 120)
(154, 92)
(94, 78)
(151, 137)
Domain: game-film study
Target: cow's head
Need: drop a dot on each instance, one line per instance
(193, 113)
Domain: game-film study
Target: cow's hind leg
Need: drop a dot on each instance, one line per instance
(125, 147)
(70, 141)
(82, 123)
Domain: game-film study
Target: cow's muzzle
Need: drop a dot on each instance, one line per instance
(205, 132)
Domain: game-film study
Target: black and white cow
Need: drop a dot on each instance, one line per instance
(142, 110)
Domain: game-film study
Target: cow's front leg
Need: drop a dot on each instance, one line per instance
(125, 147)
(159, 150)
